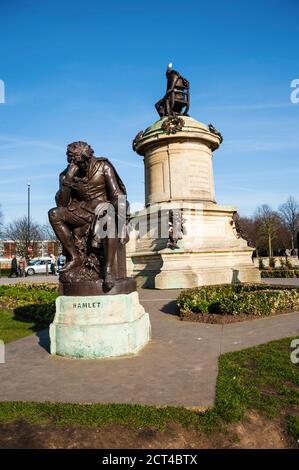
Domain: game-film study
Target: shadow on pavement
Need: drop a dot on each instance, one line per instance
(44, 339)
(171, 308)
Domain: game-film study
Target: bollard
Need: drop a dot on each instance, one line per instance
(2, 352)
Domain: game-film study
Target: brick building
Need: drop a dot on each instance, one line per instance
(8, 249)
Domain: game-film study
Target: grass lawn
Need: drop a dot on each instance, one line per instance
(261, 379)
(25, 309)
(12, 329)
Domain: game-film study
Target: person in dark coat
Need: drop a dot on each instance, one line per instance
(14, 267)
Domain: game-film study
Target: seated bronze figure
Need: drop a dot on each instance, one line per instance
(90, 221)
(176, 101)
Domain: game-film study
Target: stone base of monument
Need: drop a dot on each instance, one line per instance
(210, 252)
(99, 326)
(177, 155)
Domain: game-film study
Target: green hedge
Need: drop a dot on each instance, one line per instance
(5, 272)
(34, 302)
(230, 299)
(280, 273)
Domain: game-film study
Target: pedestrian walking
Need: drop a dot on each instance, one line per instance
(23, 266)
(60, 262)
(53, 264)
(14, 267)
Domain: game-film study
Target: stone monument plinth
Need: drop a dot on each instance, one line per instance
(99, 326)
(179, 180)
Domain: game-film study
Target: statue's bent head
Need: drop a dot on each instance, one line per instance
(78, 152)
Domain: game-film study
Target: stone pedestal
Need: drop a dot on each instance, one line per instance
(178, 166)
(179, 176)
(99, 326)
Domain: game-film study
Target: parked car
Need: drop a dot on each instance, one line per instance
(38, 266)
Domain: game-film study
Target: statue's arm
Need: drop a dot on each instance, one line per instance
(63, 195)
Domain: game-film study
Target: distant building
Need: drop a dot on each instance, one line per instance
(8, 249)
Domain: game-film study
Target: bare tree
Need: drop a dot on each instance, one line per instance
(289, 213)
(49, 234)
(267, 222)
(247, 229)
(1, 222)
(18, 232)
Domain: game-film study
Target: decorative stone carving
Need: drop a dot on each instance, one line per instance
(136, 140)
(215, 132)
(172, 125)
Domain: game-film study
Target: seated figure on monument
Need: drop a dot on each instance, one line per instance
(177, 95)
(90, 221)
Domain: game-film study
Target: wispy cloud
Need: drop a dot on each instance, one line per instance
(255, 145)
(14, 143)
(249, 106)
(16, 179)
(226, 180)
(12, 167)
(126, 163)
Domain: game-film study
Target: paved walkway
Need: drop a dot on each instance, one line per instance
(282, 282)
(29, 279)
(53, 279)
(178, 367)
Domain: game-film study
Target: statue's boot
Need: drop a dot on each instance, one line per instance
(73, 263)
(109, 278)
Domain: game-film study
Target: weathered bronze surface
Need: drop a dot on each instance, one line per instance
(90, 221)
(121, 286)
(176, 101)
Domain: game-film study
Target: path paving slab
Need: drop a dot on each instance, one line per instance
(178, 367)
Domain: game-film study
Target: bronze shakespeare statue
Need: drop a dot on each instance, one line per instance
(176, 101)
(90, 221)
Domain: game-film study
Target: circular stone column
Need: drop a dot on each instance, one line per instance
(177, 160)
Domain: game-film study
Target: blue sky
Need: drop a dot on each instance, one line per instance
(92, 70)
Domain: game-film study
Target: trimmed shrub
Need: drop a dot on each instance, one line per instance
(288, 264)
(261, 264)
(35, 302)
(41, 314)
(282, 263)
(259, 303)
(250, 299)
(5, 272)
(272, 263)
(280, 273)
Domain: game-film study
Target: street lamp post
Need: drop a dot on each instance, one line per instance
(28, 214)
